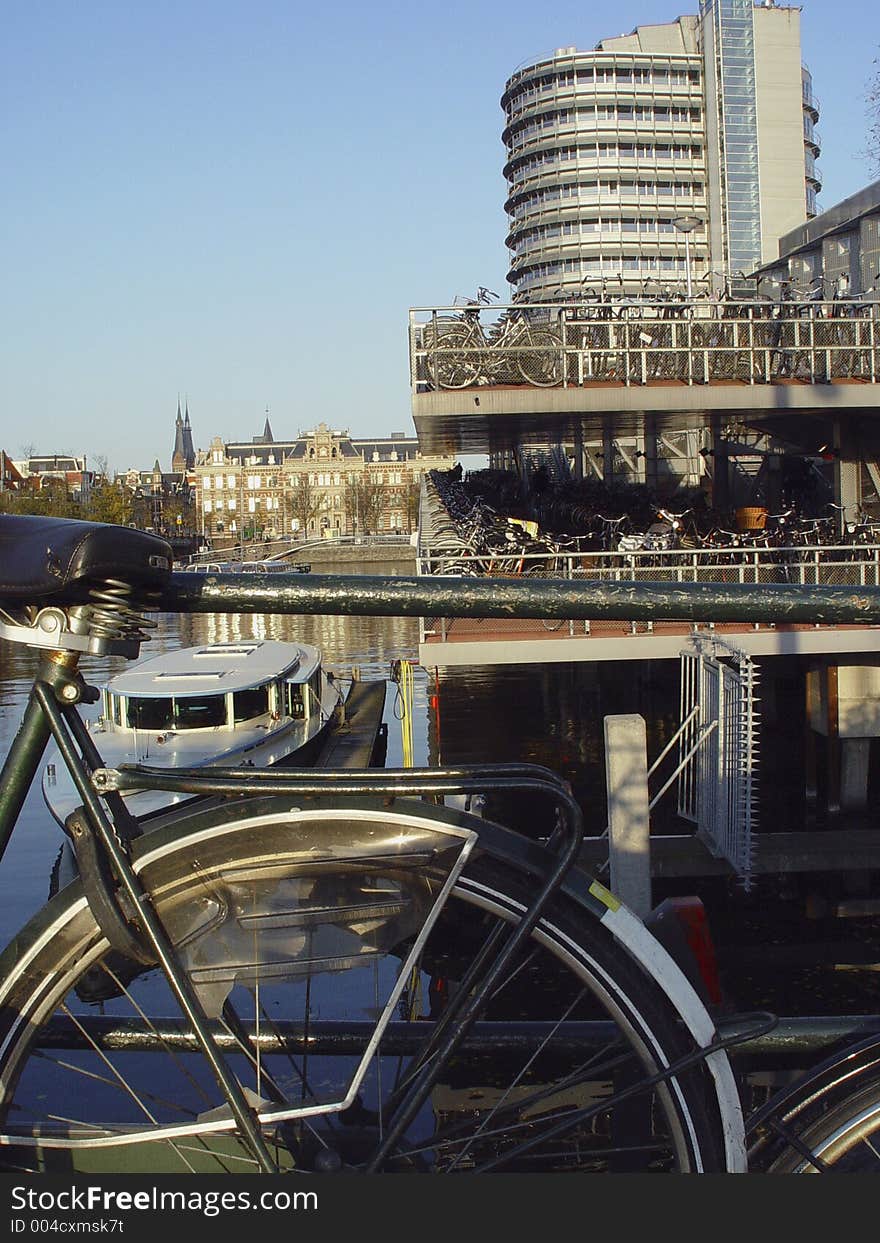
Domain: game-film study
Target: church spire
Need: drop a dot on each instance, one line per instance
(188, 449)
(178, 455)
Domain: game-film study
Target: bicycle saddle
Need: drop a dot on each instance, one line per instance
(47, 556)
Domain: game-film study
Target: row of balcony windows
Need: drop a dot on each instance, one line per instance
(522, 89)
(522, 206)
(539, 239)
(613, 136)
(597, 265)
(617, 114)
(603, 153)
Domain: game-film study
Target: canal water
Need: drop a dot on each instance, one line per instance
(547, 714)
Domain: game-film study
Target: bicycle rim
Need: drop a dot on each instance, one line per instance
(295, 944)
(827, 1123)
(453, 360)
(538, 358)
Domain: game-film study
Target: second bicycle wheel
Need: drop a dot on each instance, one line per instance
(826, 1123)
(539, 357)
(325, 944)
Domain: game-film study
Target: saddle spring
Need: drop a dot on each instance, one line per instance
(114, 613)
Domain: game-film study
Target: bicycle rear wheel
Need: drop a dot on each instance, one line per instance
(451, 357)
(326, 944)
(539, 357)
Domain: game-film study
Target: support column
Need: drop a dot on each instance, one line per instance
(847, 490)
(847, 475)
(651, 477)
(811, 715)
(855, 756)
(578, 445)
(721, 474)
(626, 775)
(833, 749)
(607, 449)
(773, 482)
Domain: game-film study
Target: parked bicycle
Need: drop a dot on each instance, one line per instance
(519, 347)
(300, 970)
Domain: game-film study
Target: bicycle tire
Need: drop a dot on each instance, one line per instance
(828, 1122)
(540, 362)
(101, 1108)
(452, 361)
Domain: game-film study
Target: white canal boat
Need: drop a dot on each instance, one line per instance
(258, 702)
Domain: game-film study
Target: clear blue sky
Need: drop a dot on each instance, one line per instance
(238, 202)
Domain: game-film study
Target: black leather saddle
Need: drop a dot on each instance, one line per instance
(63, 557)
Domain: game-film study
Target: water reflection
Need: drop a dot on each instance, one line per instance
(371, 644)
(551, 715)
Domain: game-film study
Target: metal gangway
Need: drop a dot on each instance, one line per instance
(718, 750)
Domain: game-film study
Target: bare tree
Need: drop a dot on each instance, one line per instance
(412, 498)
(100, 468)
(364, 501)
(872, 100)
(303, 502)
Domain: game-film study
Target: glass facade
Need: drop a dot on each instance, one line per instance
(734, 52)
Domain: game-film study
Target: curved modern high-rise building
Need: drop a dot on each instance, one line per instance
(675, 155)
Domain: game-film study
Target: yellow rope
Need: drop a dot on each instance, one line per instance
(406, 726)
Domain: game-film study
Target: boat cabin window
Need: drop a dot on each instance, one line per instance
(200, 713)
(150, 713)
(190, 712)
(295, 704)
(250, 703)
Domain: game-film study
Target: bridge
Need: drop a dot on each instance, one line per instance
(288, 548)
(611, 380)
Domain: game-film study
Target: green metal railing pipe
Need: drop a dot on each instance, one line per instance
(402, 596)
